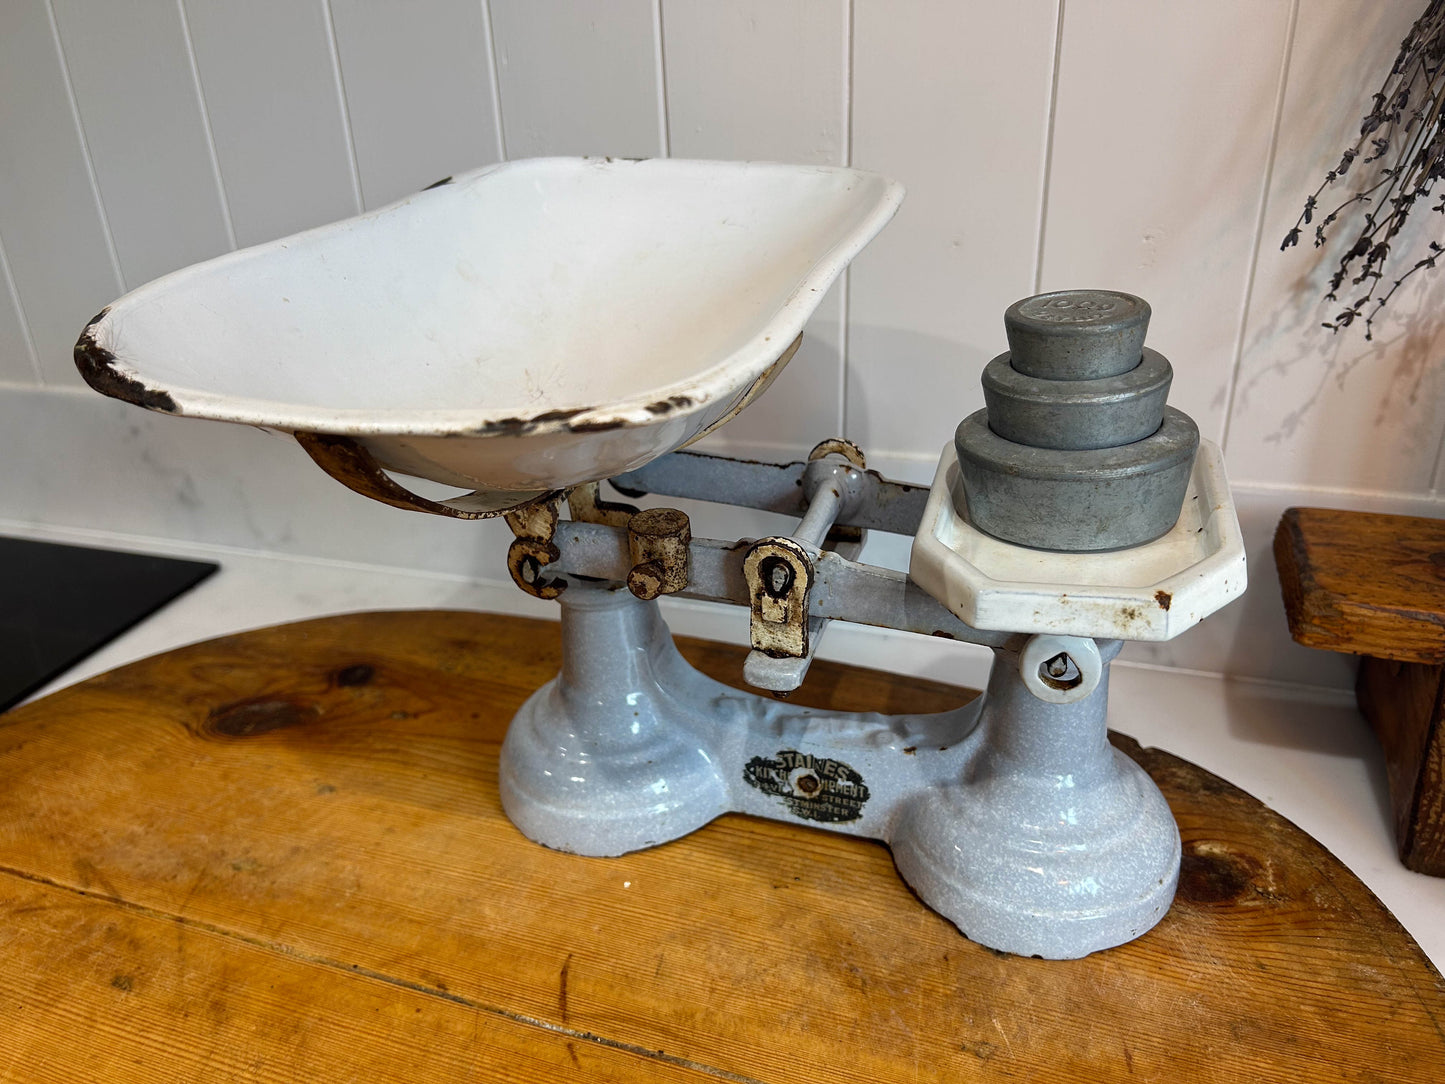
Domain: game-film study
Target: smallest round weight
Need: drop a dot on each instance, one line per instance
(1076, 334)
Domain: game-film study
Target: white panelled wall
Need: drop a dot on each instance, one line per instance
(1159, 148)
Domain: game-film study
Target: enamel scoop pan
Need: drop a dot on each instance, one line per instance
(515, 331)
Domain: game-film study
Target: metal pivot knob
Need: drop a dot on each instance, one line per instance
(657, 542)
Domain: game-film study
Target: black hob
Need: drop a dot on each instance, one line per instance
(59, 604)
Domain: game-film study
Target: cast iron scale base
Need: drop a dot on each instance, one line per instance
(1013, 817)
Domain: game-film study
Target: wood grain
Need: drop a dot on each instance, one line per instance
(1374, 585)
(1405, 704)
(288, 844)
(1363, 583)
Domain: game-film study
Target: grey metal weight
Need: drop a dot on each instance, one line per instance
(1076, 334)
(1077, 414)
(1076, 501)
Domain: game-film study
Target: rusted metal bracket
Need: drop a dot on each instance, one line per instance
(586, 505)
(535, 526)
(779, 574)
(346, 460)
(839, 446)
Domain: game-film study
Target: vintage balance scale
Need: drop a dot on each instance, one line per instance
(529, 330)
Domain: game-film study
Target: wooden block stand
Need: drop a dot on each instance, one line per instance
(1374, 586)
(281, 856)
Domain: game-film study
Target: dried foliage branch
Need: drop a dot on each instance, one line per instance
(1397, 160)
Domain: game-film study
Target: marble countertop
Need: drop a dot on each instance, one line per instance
(1305, 752)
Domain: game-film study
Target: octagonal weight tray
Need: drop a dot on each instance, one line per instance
(518, 329)
(1149, 592)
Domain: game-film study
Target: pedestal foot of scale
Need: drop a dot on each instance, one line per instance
(1040, 885)
(603, 798)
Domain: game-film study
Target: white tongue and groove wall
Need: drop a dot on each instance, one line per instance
(1158, 148)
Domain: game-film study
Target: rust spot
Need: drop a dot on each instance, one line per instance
(437, 184)
(550, 416)
(547, 419)
(808, 784)
(1212, 878)
(1164, 598)
(359, 674)
(97, 367)
(522, 426)
(943, 635)
(259, 715)
(668, 405)
(602, 426)
(912, 750)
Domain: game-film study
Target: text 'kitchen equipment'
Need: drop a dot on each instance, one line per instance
(530, 330)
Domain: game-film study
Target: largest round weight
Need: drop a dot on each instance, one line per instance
(1075, 501)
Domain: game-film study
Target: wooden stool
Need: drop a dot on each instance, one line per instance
(1374, 586)
(281, 856)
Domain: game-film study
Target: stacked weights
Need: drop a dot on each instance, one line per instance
(1076, 449)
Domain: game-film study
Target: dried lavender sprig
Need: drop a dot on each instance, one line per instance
(1405, 133)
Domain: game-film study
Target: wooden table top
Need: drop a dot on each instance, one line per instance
(281, 856)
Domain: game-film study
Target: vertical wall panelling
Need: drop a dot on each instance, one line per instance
(1331, 410)
(418, 91)
(54, 236)
(1438, 485)
(577, 78)
(1049, 150)
(149, 144)
(226, 220)
(18, 363)
(767, 80)
(952, 100)
(275, 114)
(659, 69)
(1160, 145)
(494, 84)
(1259, 239)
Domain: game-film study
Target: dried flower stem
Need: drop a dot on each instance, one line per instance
(1403, 139)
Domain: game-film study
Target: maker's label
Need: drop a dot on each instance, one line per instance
(813, 788)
